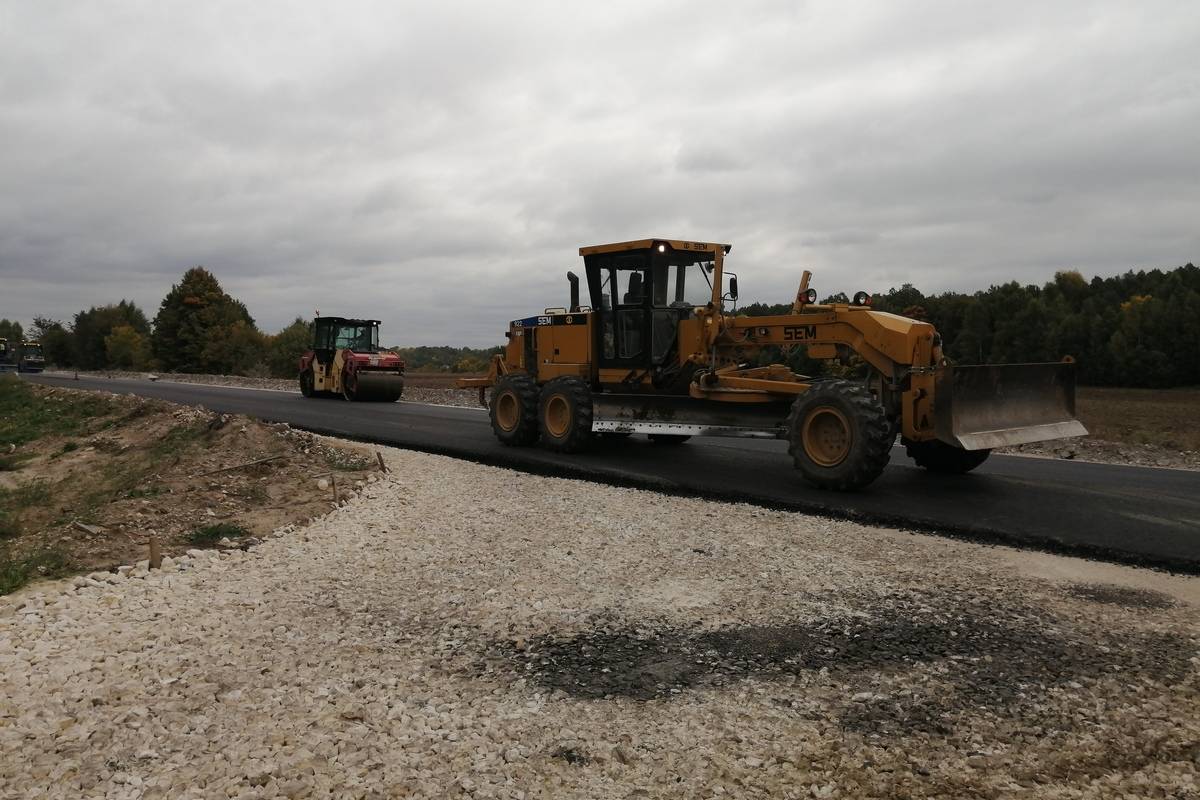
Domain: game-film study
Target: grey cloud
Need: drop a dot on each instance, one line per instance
(438, 167)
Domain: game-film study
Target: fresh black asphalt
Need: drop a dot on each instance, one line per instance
(1128, 514)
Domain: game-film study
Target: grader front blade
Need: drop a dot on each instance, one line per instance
(993, 405)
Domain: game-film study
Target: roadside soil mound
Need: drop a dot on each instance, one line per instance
(88, 478)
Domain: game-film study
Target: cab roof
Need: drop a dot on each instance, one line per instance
(348, 320)
(645, 244)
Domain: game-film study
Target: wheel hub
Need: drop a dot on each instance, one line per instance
(507, 411)
(827, 436)
(558, 416)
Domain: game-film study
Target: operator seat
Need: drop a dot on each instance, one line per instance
(634, 294)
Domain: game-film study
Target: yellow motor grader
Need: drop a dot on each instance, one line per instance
(657, 353)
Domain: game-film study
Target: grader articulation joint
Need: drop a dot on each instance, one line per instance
(656, 353)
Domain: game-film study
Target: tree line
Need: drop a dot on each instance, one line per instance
(199, 328)
(1137, 329)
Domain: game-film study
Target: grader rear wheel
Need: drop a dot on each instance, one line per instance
(513, 410)
(839, 435)
(565, 415)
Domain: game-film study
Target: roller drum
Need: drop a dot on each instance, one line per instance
(383, 387)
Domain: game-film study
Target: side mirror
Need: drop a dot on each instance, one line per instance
(733, 293)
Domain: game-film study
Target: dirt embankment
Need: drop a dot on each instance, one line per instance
(88, 478)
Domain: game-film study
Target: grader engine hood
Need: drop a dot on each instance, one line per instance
(993, 405)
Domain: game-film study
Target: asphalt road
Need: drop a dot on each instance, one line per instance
(1128, 514)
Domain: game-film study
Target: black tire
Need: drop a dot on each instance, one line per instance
(306, 383)
(565, 415)
(514, 410)
(668, 439)
(945, 459)
(838, 435)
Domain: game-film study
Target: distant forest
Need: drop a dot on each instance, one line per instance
(1137, 329)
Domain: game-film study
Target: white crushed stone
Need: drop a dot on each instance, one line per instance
(418, 642)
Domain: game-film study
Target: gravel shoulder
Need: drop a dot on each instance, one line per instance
(462, 630)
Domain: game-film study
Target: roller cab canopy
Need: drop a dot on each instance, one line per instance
(337, 333)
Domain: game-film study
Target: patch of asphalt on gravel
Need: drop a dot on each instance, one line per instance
(439, 637)
(1121, 595)
(996, 655)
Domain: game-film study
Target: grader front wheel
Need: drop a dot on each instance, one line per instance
(565, 415)
(839, 435)
(514, 410)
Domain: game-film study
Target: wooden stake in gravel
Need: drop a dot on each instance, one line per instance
(155, 553)
(333, 484)
(382, 466)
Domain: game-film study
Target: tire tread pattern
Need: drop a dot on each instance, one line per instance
(580, 399)
(874, 436)
(526, 390)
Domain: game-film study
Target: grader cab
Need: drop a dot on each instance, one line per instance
(346, 360)
(656, 353)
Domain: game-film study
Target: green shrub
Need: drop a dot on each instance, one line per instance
(209, 535)
(16, 572)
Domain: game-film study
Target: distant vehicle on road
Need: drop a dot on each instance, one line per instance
(346, 360)
(30, 358)
(8, 358)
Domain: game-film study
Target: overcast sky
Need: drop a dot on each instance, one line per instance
(438, 165)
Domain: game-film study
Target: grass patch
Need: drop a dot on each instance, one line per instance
(344, 461)
(16, 572)
(26, 495)
(12, 501)
(68, 447)
(178, 438)
(209, 535)
(8, 525)
(12, 462)
(26, 415)
(254, 493)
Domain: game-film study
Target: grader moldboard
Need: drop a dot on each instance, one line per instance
(346, 360)
(656, 353)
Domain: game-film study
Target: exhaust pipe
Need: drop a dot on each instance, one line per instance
(574, 281)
